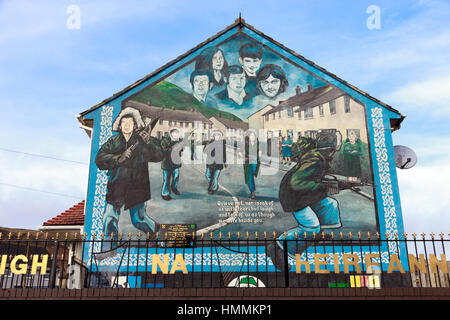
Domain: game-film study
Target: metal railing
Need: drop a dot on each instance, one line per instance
(215, 261)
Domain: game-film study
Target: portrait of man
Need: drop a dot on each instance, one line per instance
(235, 90)
(201, 84)
(271, 81)
(250, 58)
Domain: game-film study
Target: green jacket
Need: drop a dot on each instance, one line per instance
(355, 149)
(352, 157)
(301, 186)
(128, 182)
(303, 145)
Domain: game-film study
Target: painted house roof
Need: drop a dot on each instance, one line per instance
(239, 24)
(73, 217)
(168, 114)
(232, 124)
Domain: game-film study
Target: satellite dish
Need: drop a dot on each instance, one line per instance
(405, 157)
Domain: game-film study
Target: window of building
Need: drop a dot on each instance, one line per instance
(161, 121)
(273, 116)
(332, 104)
(204, 126)
(299, 114)
(290, 112)
(170, 123)
(321, 110)
(299, 135)
(174, 123)
(267, 117)
(290, 133)
(347, 104)
(309, 113)
(181, 123)
(279, 114)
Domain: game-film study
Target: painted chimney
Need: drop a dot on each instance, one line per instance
(309, 86)
(298, 90)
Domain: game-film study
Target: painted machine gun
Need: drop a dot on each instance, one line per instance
(335, 185)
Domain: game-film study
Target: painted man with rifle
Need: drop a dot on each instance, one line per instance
(126, 156)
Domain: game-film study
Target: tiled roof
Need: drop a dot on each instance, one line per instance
(232, 124)
(168, 114)
(73, 216)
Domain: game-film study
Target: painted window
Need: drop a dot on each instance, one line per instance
(309, 113)
(347, 104)
(332, 106)
(290, 113)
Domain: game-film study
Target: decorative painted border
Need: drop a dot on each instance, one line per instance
(101, 182)
(390, 214)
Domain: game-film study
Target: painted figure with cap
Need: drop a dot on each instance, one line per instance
(126, 156)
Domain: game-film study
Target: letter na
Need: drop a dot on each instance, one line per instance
(178, 264)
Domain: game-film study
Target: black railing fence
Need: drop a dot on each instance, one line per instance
(75, 261)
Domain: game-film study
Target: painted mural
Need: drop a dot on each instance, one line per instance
(239, 139)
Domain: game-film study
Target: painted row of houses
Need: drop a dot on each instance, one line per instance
(305, 113)
(187, 120)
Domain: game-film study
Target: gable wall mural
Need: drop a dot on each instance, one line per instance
(242, 136)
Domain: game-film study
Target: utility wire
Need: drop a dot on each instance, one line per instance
(42, 156)
(31, 189)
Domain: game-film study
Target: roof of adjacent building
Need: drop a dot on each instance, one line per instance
(232, 124)
(73, 217)
(168, 114)
(240, 24)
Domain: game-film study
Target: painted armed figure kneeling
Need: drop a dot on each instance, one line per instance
(304, 192)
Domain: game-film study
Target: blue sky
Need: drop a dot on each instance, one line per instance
(49, 73)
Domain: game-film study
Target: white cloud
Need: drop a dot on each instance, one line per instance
(431, 95)
(424, 197)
